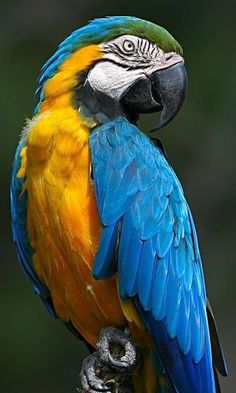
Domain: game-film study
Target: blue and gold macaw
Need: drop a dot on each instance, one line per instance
(100, 221)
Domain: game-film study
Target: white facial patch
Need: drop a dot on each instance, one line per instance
(112, 79)
(127, 59)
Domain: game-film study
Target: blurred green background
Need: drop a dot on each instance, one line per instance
(37, 354)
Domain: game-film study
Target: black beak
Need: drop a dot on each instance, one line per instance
(169, 90)
(163, 91)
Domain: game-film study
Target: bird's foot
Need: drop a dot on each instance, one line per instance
(91, 380)
(117, 350)
(110, 368)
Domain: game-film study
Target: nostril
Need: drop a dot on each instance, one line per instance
(169, 55)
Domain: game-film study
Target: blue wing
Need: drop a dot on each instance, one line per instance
(19, 229)
(149, 232)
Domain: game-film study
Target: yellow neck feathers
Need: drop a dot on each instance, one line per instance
(58, 90)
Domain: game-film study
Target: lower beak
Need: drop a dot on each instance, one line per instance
(169, 90)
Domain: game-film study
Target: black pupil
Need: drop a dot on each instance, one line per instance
(129, 45)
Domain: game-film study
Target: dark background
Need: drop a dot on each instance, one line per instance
(37, 354)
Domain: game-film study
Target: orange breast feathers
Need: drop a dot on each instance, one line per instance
(63, 222)
(62, 218)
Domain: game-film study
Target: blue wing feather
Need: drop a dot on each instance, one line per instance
(159, 262)
(130, 249)
(106, 254)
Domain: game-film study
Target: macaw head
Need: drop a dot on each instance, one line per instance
(116, 65)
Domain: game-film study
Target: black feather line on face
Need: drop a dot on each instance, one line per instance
(96, 105)
(139, 54)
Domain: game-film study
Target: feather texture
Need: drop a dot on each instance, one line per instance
(159, 262)
(19, 229)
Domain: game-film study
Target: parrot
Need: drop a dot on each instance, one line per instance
(100, 221)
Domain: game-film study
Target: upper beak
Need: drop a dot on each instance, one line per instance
(164, 90)
(169, 90)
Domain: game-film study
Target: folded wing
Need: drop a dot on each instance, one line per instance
(149, 238)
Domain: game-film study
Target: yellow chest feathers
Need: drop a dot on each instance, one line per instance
(60, 191)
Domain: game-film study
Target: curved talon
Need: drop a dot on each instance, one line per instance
(117, 350)
(109, 369)
(89, 376)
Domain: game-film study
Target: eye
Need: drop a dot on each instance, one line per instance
(128, 46)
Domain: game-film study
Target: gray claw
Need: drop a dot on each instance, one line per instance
(90, 380)
(117, 350)
(109, 369)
